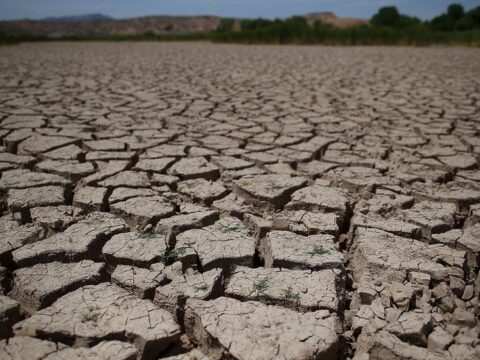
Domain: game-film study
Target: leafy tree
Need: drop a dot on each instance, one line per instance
(456, 19)
(387, 17)
(474, 14)
(255, 24)
(455, 12)
(226, 25)
(390, 17)
(470, 21)
(442, 23)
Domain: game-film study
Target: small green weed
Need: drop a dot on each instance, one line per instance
(203, 287)
(176, 252)
(147, 235)
(290, 295)
(272, 186)
(229, 228)
(190, 184)
(260, 287)
(90, 317)
(319, 250)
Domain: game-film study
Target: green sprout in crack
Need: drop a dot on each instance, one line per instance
(444, 218)
(90, 317)
(314, 194)
(424, 206)
(203, 287)
(272, 186)
(319, 250)
(290, 295)
(176, 252)
(243, 183)
(190, 184)
(260, 287)
(229, 228)
(182, 250)
(147, 235)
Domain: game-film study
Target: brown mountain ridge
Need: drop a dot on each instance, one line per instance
(162, 25)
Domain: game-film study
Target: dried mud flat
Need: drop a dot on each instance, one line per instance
(196, 201)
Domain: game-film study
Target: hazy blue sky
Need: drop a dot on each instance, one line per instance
(34, 9)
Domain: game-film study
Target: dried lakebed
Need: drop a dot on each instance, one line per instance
(199, 201)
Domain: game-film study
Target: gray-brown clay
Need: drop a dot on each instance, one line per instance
(200, 201)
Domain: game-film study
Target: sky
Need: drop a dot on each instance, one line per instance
(37, 9)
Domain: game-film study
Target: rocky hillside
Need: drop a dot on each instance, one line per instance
(76, 18)
(332, 19)
(133, 26)
(84, 26)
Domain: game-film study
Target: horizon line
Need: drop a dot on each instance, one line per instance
(185, 16)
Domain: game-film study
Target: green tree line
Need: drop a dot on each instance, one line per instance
(387, 27)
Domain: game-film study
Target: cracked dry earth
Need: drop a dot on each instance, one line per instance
(198, 201)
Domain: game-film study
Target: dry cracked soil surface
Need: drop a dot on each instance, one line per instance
(199, 201)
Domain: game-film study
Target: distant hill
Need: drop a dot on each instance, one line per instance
(77, 18)
(98, 25)
(332, 19)
(134, 26)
